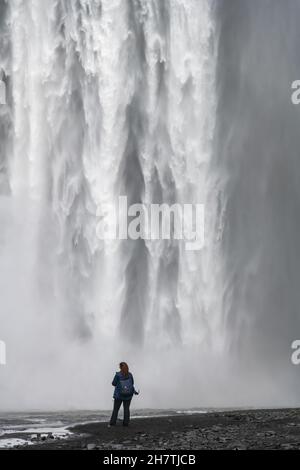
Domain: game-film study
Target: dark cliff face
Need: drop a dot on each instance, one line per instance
(256, 153)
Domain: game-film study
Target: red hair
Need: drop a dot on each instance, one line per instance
(124, 368)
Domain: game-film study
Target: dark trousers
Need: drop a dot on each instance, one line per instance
(126, 406)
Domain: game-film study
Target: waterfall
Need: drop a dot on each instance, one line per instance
(159, 101)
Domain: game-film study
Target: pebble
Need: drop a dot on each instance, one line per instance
(91, 446)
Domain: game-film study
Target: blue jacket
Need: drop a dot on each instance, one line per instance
(116, 384)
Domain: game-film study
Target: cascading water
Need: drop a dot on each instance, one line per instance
(161, 101)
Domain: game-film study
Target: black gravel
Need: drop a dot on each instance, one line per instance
(240, 430)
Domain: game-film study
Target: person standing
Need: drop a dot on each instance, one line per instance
(124, 390)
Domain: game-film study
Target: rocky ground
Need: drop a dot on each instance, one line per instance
(241, 430)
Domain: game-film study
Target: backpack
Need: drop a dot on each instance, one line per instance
(126, 386)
